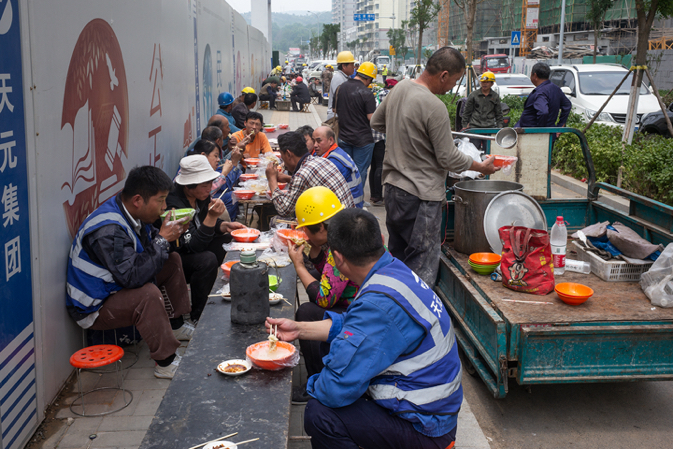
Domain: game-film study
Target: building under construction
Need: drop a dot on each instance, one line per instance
(499, 19)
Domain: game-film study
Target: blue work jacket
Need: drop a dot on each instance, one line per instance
(542, 107)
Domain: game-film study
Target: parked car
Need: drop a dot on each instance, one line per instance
(589, 85)
(317, 72)
(655, 123)
(312, 66)
(512, 84)
(405, 71)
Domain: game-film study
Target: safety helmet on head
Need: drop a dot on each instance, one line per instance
(316, 205)
(345, 57)
(368, 69)
(248, 90)
(329, 66)
(279, 68)
(300, 79)
(225, 99)
(303, 65)
(487, 76)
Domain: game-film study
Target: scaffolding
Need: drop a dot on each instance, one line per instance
(529, 24)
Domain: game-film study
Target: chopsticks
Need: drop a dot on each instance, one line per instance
(221, 194)
(528, 302)
(246, 441)
(227, 436)
(177, 242)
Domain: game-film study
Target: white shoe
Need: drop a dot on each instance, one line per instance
(167, 372)
(185, 332)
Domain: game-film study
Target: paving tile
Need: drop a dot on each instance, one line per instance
(74, 440)
(125, 438)
(118, 423)
(297, 421)
(147, 384)
(82, 424)
(140, 374)
(88, 379)
(148, 403)
(53, 440)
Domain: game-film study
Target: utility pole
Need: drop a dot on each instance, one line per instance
(563, 22)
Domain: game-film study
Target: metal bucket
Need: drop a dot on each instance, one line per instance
(471, 199)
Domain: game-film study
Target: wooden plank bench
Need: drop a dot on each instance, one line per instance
(201, 404)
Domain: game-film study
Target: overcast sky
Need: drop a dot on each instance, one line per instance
(285, 5)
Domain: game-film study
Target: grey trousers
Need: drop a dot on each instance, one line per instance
(414, 231)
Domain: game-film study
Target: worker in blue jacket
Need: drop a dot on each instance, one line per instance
(226, 102)
(544, 103)
(392, 377)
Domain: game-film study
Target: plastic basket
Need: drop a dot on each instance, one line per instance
(611, 270)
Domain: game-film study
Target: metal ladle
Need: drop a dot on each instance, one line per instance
(506, 137)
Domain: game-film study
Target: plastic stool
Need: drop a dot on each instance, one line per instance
(96, 357)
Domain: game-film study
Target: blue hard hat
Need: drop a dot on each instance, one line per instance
(225, 99)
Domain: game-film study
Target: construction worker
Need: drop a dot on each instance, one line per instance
(345, 68)
(483, 108)
(226, 102)
(246, 90)
(326, 77)
(384, 73)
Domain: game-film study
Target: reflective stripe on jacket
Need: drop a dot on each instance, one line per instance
(426, 381)
(88, 283)
(350, 173)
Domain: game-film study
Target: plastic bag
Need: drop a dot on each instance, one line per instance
(505, 163)
(657, 282)
(466, 147)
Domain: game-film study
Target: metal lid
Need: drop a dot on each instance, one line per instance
(249, 257)
(511, 209)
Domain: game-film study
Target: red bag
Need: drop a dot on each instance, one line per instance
(526, 260)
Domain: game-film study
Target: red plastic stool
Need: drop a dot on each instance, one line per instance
(95, 357)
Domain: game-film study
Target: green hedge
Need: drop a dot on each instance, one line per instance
(647, 162)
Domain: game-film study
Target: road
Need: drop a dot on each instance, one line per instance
(591, 416)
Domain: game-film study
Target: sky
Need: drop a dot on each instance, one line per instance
(285, 5)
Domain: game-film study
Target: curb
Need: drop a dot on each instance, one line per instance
(316, 117)
(615, 201)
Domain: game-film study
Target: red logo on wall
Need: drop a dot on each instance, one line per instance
(96, 108)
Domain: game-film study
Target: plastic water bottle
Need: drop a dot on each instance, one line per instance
(578, 266)
(559, 240)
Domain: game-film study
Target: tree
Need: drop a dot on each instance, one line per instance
(422, 14)
(396, 39)
(410, 32)
(469, 8)
(596, 16)
(329, 38)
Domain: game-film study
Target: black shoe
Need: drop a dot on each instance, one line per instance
(300, 396)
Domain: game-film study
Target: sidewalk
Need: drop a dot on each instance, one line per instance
(125, 429)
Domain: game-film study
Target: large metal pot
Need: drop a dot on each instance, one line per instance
(471, 199)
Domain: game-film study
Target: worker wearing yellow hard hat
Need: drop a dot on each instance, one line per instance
(246, 90)
(368, 70)
(330, 290)
(483, 108)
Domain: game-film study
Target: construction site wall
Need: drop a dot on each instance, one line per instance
(487, 23)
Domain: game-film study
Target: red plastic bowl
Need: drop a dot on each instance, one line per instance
(282, 185)
(244, 194)
(283, 126)
(501, 161)
(226, 267)
(251, 161)
(269, 130)
(286, 234)
(248, 176)
(274, 364)
(246, 235)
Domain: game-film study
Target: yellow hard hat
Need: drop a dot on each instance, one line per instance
(316, 205)
(303, 65)
(248, 90)
(279, 68)
(368, 69)
(328, 66)
(487, 76)
(345, 57)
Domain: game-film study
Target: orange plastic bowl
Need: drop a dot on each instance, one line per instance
(283, 126)
(501, 161)
(277, 154)
(286, 234)
(572, 293)
(248, 176)
(284, 359)
(251, 161)
(269, 130)
(282, 185)
(244, 194)
(246, 235)
(226, 267)
(485, 258)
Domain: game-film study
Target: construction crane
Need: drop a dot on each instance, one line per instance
(443, 25)
(530, 12)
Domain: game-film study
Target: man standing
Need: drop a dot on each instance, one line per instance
(384, 73)
(327, 78)
(299, 96)
(483, 108)
(120, 272)
(307, 171)
(395, 342)
(226, 102)
(325, 146)
(345, 68)
(241, 110)
(355, 105)
(419, 154)
(543, 104)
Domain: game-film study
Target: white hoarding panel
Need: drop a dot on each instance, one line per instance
(129, 83)
(532, 15)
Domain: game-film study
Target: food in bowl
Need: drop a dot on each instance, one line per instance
(244, 194)
(248, 176)
(503, 161)
(291, 235)
(262, 356)
(251, 161)
(246, 235)
(179, 214)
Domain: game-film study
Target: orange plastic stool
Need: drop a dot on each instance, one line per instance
(95, 357)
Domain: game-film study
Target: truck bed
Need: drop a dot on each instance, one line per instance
(612, 301)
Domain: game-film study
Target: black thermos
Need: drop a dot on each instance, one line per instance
(249, 290)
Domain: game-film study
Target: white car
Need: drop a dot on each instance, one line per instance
(512, 84)
(317, 72)
(590, 85)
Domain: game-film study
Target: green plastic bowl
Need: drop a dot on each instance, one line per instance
(180, 213)
(273, 283)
